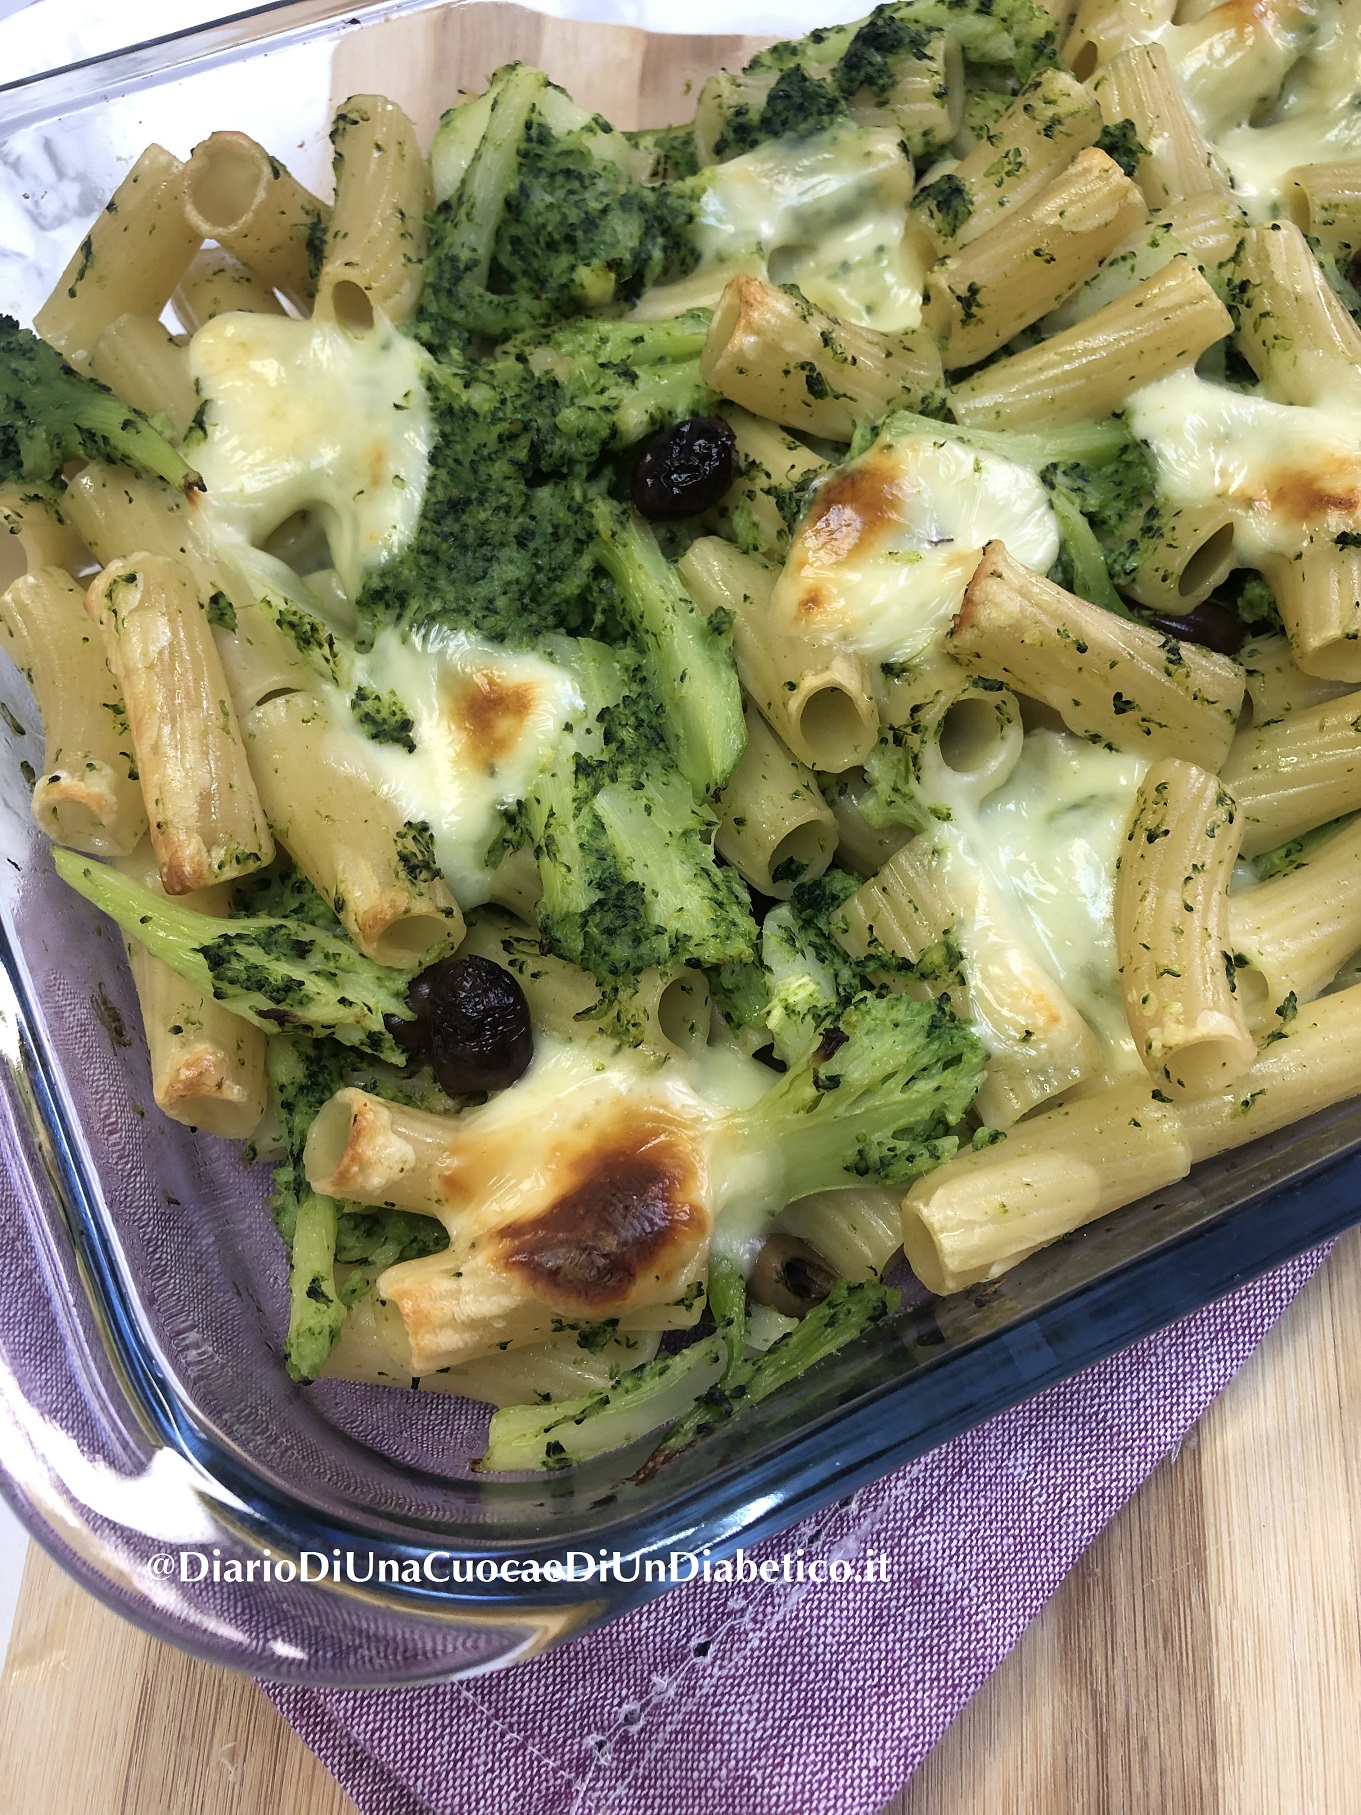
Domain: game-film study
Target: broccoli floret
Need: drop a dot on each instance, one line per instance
(625, 852)
(273, 972)
(282, 892)
(49, 414)
(523, 441)
(1119, 499)
(547, 220)
(838, 70)
(847, 1312)
(874, 1100)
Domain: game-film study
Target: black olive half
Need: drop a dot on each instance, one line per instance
(1212, 625)
(790, 1277)
(473, 1020)
(684, 470)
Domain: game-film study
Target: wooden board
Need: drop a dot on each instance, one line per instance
(1203, 1659)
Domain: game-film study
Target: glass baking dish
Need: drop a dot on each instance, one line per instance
(144, 1409)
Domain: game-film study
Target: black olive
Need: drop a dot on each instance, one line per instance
(472, 1018)
(1213, 625)
(685, 469)
(790, 1276)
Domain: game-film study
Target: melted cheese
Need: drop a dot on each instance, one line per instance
(825, 213)
(889, 543)
(1280, 467)
(485, 723)
(301, 415)
(1049, 839)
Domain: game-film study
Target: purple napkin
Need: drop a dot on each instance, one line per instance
(802, 1699)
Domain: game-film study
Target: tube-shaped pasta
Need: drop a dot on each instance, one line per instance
(1159, 327)
(1172, 931)
(984, 1211)
(1297, 773)
(1105, 677)
(862, 848)
(115, 510)
(818, 700)
(40, 532)
(1232, 60)
(1318, 594)
(776, 828)
(1050, 121)
(757, 510)
(87, 795)
(1324, 201)
(207, 1064)
(136, 357)
(378, 872)
(1299, 929)
(1190, 554)
(237, 194)
(1276, 686)
(1293, 329)
(858, 1230)
(1311, 1063)
(207, 824)
(129, 261)
(1139, 85)
(1038, 254)
(783, 359)
(218, 284)
(375, 243)
(1102, 29)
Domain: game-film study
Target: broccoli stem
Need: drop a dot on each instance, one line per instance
(574, 1430)
(1091, 579)
(50, 414)
(481, 197)
(728, 1303)
(315, 1314)
(274, 973)
(847, 1312)
(1096, 443)
(691, 662)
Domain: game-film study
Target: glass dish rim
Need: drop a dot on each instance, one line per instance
(988, 1374)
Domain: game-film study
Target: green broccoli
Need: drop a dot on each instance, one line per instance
(270, 971)
(624, 850)
(548, 217)
(503, 545)
(689, 656)
(838, 71)
(49, 414)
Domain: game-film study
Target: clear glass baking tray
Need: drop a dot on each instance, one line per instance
(144, 1410)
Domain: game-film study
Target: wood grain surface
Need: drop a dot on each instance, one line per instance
(1204, 1658)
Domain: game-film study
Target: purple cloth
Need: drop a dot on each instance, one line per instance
(801, 1699)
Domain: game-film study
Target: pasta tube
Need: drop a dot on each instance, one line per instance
(760, 506)
(1298, 773)
(1052, 119)
(128, 263)
(984, 1211)
(1105, 677)
(1177, 971)
(1318, 594)
(783, 359)
(1299, 929)
(1277, 686)
(1311, 1063)
(136, 357)
(1139, 85)
(1293, 329)
(217, 284)
(207, 824)
(981, 297)
(87, 795)
(207, 1064)
(237, 194)
(43, 536)
(376, 239)
(1159, 327)
(818, 700)
(776, 829)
